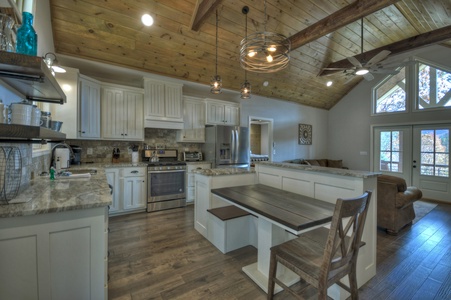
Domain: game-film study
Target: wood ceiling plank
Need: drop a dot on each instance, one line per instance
(342, 17)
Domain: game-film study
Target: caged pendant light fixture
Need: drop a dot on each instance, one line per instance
(265, 52)
(216, 81)
(245, 86)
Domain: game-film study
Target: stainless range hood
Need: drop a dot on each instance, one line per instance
(31, 77)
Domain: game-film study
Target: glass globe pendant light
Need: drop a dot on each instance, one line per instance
(245, 86)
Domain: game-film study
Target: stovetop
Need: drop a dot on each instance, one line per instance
(166, 165)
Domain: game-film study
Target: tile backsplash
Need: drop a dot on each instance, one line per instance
(102, 150)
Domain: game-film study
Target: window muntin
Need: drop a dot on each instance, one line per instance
(434, 87)
(434, 153)
(390, 96)
(391, 151)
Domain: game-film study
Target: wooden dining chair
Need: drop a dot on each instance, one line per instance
(321, 257)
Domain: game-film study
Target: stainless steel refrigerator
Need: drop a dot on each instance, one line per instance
(226, 146)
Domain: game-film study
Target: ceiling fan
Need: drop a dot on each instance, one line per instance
(365, 68)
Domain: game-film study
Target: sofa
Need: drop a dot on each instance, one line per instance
(395, 203)
(330, 163)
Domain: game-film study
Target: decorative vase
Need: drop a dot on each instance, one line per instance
(27, 39)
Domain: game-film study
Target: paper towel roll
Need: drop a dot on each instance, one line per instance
(64, 155)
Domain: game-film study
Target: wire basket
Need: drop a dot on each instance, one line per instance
(10, 172)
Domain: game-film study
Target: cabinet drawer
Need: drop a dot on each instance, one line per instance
(126, 172)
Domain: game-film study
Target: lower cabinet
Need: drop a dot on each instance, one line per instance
(61, 255)
(129, 189)
(190, 179)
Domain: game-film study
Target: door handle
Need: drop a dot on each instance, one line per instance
(414, 161)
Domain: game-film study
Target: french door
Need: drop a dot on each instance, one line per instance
(419, 154)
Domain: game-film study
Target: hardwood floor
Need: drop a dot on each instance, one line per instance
(160, 256)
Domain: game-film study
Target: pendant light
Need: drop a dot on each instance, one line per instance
(245, 86)
(265, 52)
(216, 81)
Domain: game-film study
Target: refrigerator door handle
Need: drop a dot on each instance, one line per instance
(237, 145)
(232, 150)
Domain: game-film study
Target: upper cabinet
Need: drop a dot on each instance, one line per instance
(222, 113)
(89, 126)
(163, 103)
(122, 113)
(193, 121)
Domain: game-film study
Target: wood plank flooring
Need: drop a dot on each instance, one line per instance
(161, 256)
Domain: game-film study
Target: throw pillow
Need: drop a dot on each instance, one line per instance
(335, 163)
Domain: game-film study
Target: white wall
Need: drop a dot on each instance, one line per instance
(350, 120)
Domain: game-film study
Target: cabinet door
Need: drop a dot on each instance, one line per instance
(134, 192)
(173, 102)
(68, 113)
(154, 106)
(112, 177)
(215, 113)
(193, 122)
(113, 113)
(231, 115)
(89, 109)
(134, 116)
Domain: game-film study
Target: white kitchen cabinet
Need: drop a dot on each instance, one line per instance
(163, 101)
(122, 113)
(68, 113)
(60, 255)
(112, 177)
(222, 113)
(190, 178)
(193, 121)
(89, 113)
(134, 188)
(129, 189)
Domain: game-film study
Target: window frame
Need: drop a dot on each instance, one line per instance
(382, 82)
(415, 76)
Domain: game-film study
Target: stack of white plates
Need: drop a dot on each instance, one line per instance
(21, 113)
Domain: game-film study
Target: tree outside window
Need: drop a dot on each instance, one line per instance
(434, 87)
(391, 94)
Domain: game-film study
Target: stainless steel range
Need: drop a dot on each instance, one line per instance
(165, 179)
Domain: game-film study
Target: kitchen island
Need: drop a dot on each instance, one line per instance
(54, 246)
(326, 184)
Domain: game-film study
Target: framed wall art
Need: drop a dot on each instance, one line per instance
(305, 134)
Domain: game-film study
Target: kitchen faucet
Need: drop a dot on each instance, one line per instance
(72, 154)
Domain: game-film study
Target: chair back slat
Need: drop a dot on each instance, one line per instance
(344, 241)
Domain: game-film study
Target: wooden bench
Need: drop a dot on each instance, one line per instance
(230, 228)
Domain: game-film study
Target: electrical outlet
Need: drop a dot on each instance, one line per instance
(89, 151)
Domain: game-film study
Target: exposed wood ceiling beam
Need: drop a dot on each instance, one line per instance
(421, 40)
(202, 12)
(338, 19)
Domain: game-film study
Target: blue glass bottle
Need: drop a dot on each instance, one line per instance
(27, 39)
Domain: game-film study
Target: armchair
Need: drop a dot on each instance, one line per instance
(395, 203)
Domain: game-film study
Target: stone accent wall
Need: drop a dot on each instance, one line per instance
(103, 150)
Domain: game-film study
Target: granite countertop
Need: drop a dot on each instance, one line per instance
(62, 194)
(334, 171)
(124, 165)
(224, 171)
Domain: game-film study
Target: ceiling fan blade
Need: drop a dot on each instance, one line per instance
(368, 76)
(384, 71)
(335, 69)
(354, 61)
(377, 58)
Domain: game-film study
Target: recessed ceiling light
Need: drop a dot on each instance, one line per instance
(147, 20)
(266, 83)
(329, 83)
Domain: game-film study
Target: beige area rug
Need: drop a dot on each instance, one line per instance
(422, 208)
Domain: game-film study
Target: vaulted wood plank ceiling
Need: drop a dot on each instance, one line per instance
(111, 31)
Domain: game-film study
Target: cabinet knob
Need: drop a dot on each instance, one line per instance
(125, 134)
(134, 172)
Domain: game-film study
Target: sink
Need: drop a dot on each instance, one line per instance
(82, 171)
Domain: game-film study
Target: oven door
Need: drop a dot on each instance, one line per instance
(165, 185)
